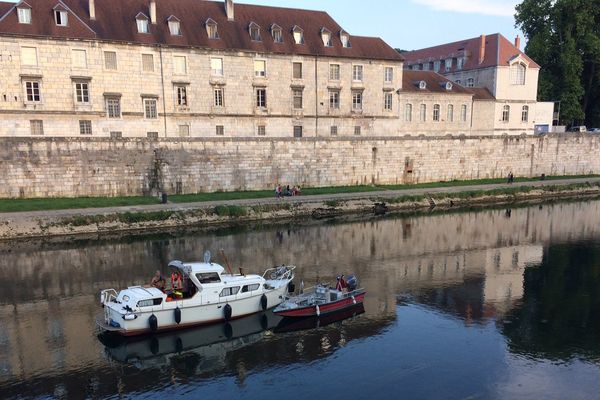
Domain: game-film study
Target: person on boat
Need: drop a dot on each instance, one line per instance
(158, 281)
(341, 284)
(176, 281)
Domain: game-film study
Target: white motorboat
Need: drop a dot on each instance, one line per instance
(209, 296)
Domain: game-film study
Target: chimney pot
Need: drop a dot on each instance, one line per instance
(229, 10)
(481, 49)
(92, 9)
(153, 11)
(518, 42)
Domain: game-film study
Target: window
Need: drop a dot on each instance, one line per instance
(216, 66)
(150, 111)
(110, 60)
(180, 65)
(261, 98)
(525, 114)
(218, 94)
(147, 63)
(357, 73)
(297, 95)
(517, 74)
(297, 70)
(460, 63)
(149, 303)
(470, 82)
(334, 72)
(423, 113)
(220, 130)
(181, 93)
(82, 92)
(184, 131)
(334, 99)
(436, 112)
(29, 56)
(463, 113)
(33, 92)
(458, 82)
(152, 135)
(334, 130)
(357, 100)
(389, 75)
(326, 37)
(24, 15)
(85, 127)
(506, 113)
(174, 26)
(261, 130)
(436, 66)
(448, 86)
(79, 58)
(298, 131)
(116, 135)
(231, 291)
(277, 33)
(408, 113)
(37, 127)
(255, 32)
(345, 38)
(357, 130)
(450, 116)
(60, 17)
(211, 29)
(208, 277)
(448, 64)
(142, 23)
(422, 85)
(113, 107)
(388, 101)
(260, 68)
(298, 35)
(250, 288)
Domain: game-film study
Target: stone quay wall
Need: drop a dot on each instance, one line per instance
(73, 167)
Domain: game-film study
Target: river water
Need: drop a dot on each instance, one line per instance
(484, 304)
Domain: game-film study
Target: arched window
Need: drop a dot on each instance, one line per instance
(525, 114)
(408, 113)
(423, 113)
(436, 112)
(517, 74)
(506, 113)
(450, 117)
(212, 29)
(463, 113)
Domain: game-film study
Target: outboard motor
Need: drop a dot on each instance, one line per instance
(352, 283)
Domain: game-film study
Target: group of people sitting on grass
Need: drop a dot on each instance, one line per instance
(287, 192)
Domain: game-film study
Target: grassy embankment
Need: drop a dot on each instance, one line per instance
(21, 205)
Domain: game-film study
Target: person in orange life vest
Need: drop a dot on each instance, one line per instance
(176, 280)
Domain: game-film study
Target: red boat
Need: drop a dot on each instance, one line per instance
(321, 300)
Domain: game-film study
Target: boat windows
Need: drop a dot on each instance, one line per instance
(149, 303)
(250, 288)
(230, 291)
(208, 277)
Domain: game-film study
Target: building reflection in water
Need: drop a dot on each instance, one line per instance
(468, 265)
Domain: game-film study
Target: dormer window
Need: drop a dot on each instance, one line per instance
(345, 38)
(517, 73)
(174, 26)
(254, 30)
(60, 16)
(460, 63)
(212, 29)
(277, 33)
(422, 85)
(142, 23)
(298, 35)
(326, 37)
(24, 13)
(448, 86)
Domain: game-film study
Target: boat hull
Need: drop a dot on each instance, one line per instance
(322, 309)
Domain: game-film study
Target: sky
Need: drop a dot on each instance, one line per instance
(414, 24)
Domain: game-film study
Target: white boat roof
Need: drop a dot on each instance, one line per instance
(197, 267)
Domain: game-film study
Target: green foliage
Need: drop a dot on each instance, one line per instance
(332, 203)
(231, 211)
(564, 38)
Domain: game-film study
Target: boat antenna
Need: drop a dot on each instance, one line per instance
(226, 262)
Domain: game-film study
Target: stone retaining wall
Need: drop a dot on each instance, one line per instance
(72, 167)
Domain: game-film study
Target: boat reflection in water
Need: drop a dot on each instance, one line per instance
(302, 324)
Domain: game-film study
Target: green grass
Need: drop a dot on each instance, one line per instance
(20, 205)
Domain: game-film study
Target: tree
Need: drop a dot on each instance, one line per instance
(564, 38)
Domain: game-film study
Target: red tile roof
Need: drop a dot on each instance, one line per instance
(498, 51)
(436, 83)
(115, 21)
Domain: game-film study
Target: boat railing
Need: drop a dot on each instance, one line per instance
(108, 295)
(283, 272)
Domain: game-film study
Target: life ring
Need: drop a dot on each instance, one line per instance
(227, 311)
(178, 315)
(264, 302)
(153, 321)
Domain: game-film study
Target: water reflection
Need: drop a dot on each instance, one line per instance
(526, 282)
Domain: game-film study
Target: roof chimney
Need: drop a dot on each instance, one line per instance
(153, 11)
(481, 49)
(229, 10)
(92, 9)
(518, 42)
